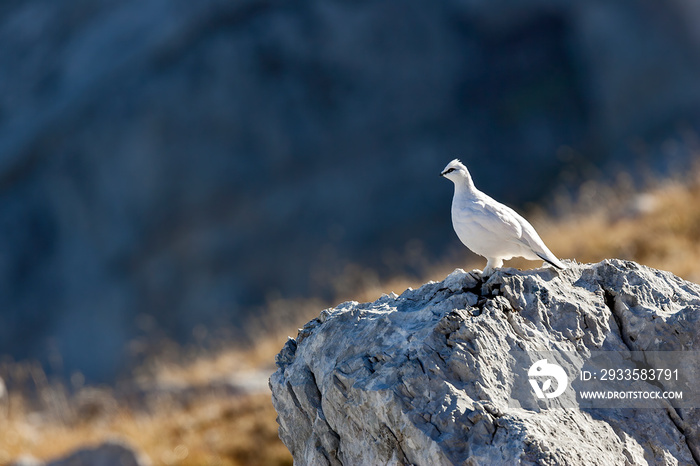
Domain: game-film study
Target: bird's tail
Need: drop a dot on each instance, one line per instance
(551, 260)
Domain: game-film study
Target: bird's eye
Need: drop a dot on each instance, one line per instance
(450, 170)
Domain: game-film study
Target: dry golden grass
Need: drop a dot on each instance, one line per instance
(213, 431)
(659, 228)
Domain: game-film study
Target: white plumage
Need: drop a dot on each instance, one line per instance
(489, 228)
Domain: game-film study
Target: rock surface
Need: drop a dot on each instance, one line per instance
(422, 378)
(110, 453)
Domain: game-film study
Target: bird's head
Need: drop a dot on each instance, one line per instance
(455, 171)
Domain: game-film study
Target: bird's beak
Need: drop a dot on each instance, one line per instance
(442, 173)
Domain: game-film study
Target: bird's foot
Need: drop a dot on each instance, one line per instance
(491, 265)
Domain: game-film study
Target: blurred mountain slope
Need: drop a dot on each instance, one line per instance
(183, 162)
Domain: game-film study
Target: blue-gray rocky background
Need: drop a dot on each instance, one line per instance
(174, 164)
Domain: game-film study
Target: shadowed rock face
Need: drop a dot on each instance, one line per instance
(422, 378)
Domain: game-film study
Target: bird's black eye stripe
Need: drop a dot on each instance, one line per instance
(449, 171)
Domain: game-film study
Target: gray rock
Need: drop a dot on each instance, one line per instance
(423, 378)
(111, 453)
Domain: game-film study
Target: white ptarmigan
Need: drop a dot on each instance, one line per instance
(489, 228)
